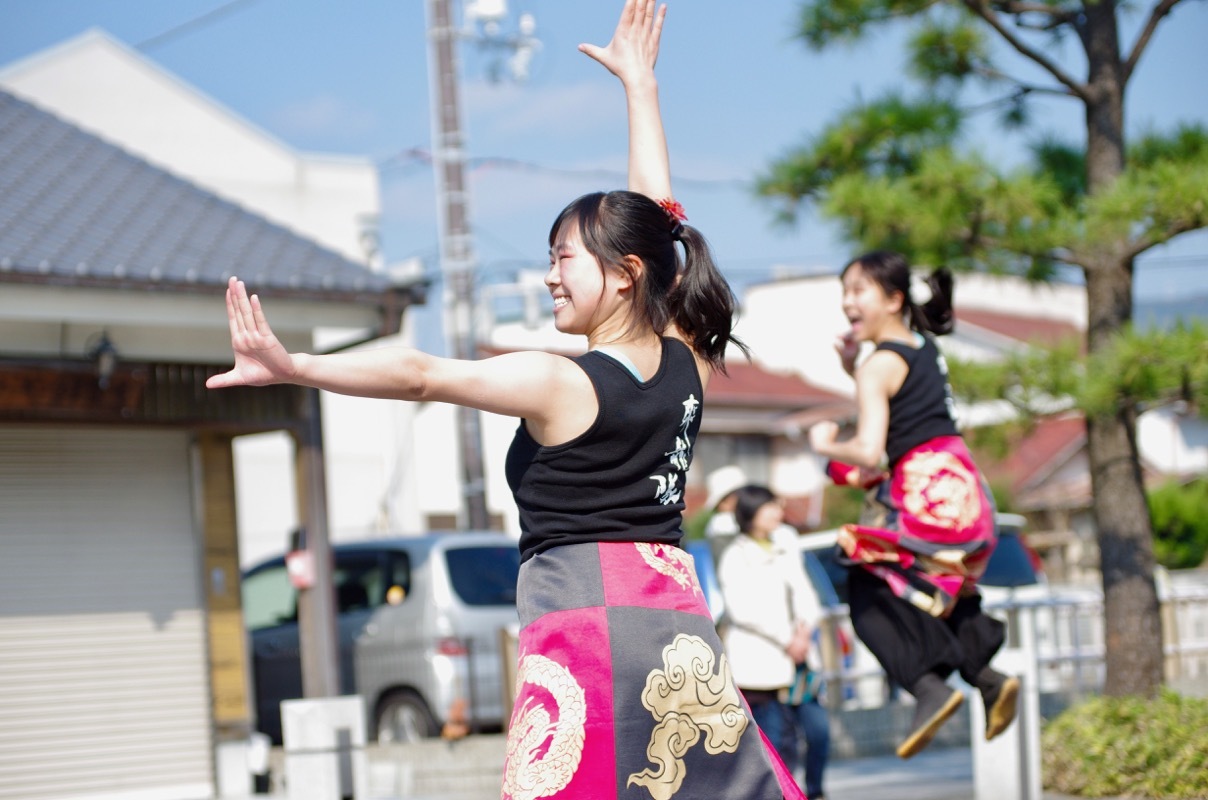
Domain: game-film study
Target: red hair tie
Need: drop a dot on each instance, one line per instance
(673, 209)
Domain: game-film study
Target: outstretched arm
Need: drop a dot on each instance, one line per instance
(536, 386)
(631, 56)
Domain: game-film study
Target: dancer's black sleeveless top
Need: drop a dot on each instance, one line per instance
(922, 408)
(622, 479)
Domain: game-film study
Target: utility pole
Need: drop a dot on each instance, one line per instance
(456, 245)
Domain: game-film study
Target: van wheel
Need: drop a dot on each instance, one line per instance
(403, 717)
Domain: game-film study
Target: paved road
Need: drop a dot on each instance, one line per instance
(931, 775)
(934, 774)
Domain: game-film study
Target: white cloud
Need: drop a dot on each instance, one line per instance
(505, 110)
(322, 114)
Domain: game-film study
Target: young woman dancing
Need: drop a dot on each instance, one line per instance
(623, 689)
(927, 532)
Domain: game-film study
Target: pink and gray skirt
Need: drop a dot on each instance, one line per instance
(929, 530)
(623, 687)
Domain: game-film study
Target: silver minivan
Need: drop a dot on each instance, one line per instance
(421, 622)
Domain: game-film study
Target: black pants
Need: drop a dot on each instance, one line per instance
(910, 642)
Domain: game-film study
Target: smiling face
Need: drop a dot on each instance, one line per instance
(872, 312)
(576, 281)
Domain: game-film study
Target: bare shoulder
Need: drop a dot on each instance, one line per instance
(538, 369)
(882, 369)
(560, 402)
(704, 369)
(879, 360)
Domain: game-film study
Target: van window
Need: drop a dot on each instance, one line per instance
(400, 576)
(359, 582)
(484, 576)
(268, 598)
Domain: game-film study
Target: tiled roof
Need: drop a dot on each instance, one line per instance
(1049, 444)
(745, 383)
(1030, 330)
(1048, 469)
(76, 210)
(749, 399)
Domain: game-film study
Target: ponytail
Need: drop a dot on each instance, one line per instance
(936, 316)
(702, 303)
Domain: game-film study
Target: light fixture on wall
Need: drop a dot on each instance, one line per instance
(102, 351)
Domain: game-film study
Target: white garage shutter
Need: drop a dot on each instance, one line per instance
(102, 642)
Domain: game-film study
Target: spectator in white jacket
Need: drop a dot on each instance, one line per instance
(769, 609)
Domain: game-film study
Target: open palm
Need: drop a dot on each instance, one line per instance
(635, 43)
(260, 358)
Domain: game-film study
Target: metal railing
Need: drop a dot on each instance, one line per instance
(1068, 632)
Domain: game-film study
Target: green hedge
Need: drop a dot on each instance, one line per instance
(1129, 746)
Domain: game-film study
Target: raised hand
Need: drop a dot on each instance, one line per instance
(849, 350)
(260, 359)
(630, 56)
(634, 48)
(822, 435)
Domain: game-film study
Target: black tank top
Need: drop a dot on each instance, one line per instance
(923, 407)
(623, 479)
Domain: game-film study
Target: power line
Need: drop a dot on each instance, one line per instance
(419, 155)
(183, 28)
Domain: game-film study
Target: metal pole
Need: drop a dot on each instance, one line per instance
(316, 605)
(456, 245)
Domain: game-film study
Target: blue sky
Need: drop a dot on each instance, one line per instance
(737, 91)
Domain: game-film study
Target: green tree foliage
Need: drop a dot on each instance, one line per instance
(1180, 523)
(841, 505)
(1137, 371)
(694, 526)
(898, 172)
(890, 174)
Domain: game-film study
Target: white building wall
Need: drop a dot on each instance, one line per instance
(1063, 302)
(791, 325)
(1174, 442)
(389, 464)
(796, 471)
(497, 433)
(266, 495)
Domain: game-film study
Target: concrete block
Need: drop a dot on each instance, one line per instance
(324, 744)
